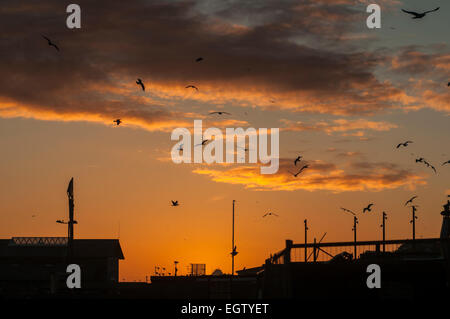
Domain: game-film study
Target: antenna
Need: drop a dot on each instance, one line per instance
(233, 246)
(355, 222)
(306, 239)
(383, 225)
(413, 220)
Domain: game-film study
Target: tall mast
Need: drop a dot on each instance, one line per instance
(71, 220)
(233, 249)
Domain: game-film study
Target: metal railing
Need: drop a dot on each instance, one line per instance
(38, 241)
(316, 252)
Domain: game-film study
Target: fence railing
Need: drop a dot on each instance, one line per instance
(315, 252)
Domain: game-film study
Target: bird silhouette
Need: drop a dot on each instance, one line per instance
(348, 211)
(220, 112)
(298, 159)
(301, 170)
(118, 121)
(419, 15)
(50, 43)
(270, 214)
(234, 252)
(192, 86)
(202, 143)
(244, 148)
(199, 59)
(404, 144)
(420, 160)
(139, 82)
(175, 203)
(368, 208)
(411, 200)
(448, 162)
(430, 166)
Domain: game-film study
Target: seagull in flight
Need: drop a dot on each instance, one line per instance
(118, 121)
(419, 15)
(139, 82)
(175, 203)
(301, 170)
(348, 211)
(368, 208)
(404, 144)
(50, 42)
(199, 59)
(192, 86)
(410, 200)
(298, 159)
(270, 214)
(203, 143)
(431, 166)
(420, 160)
(220, 112)
(448, 162)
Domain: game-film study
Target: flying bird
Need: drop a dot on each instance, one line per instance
(431, 166)
(220, 112)
(175, 203)
(368, 208)
(199, 59)
(118, 121)
(420, 160)
(244, 148)
(50, 43)
(410, 200)
(301, 170)
(419, 15)
(404, 144)
(270, 214)
(139, 82)
(448, 162)
(203, 142)
(348, 211)
(192, 86)
(298, 159)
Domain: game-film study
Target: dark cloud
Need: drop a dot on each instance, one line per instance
(279, 51)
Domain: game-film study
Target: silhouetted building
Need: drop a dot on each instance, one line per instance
(37, 265)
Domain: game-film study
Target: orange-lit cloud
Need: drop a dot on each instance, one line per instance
(339, 125)
(320, 176)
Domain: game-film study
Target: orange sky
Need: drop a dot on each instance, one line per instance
(342, 96)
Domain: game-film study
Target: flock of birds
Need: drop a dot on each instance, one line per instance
(421, 159)
(175, 203)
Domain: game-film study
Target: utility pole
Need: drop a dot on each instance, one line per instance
(355, 222)
(306, 239)
(71, 221)
(384, 231)
(233, 246)
(413, 221)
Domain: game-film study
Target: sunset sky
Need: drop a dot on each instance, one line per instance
(342, 95)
